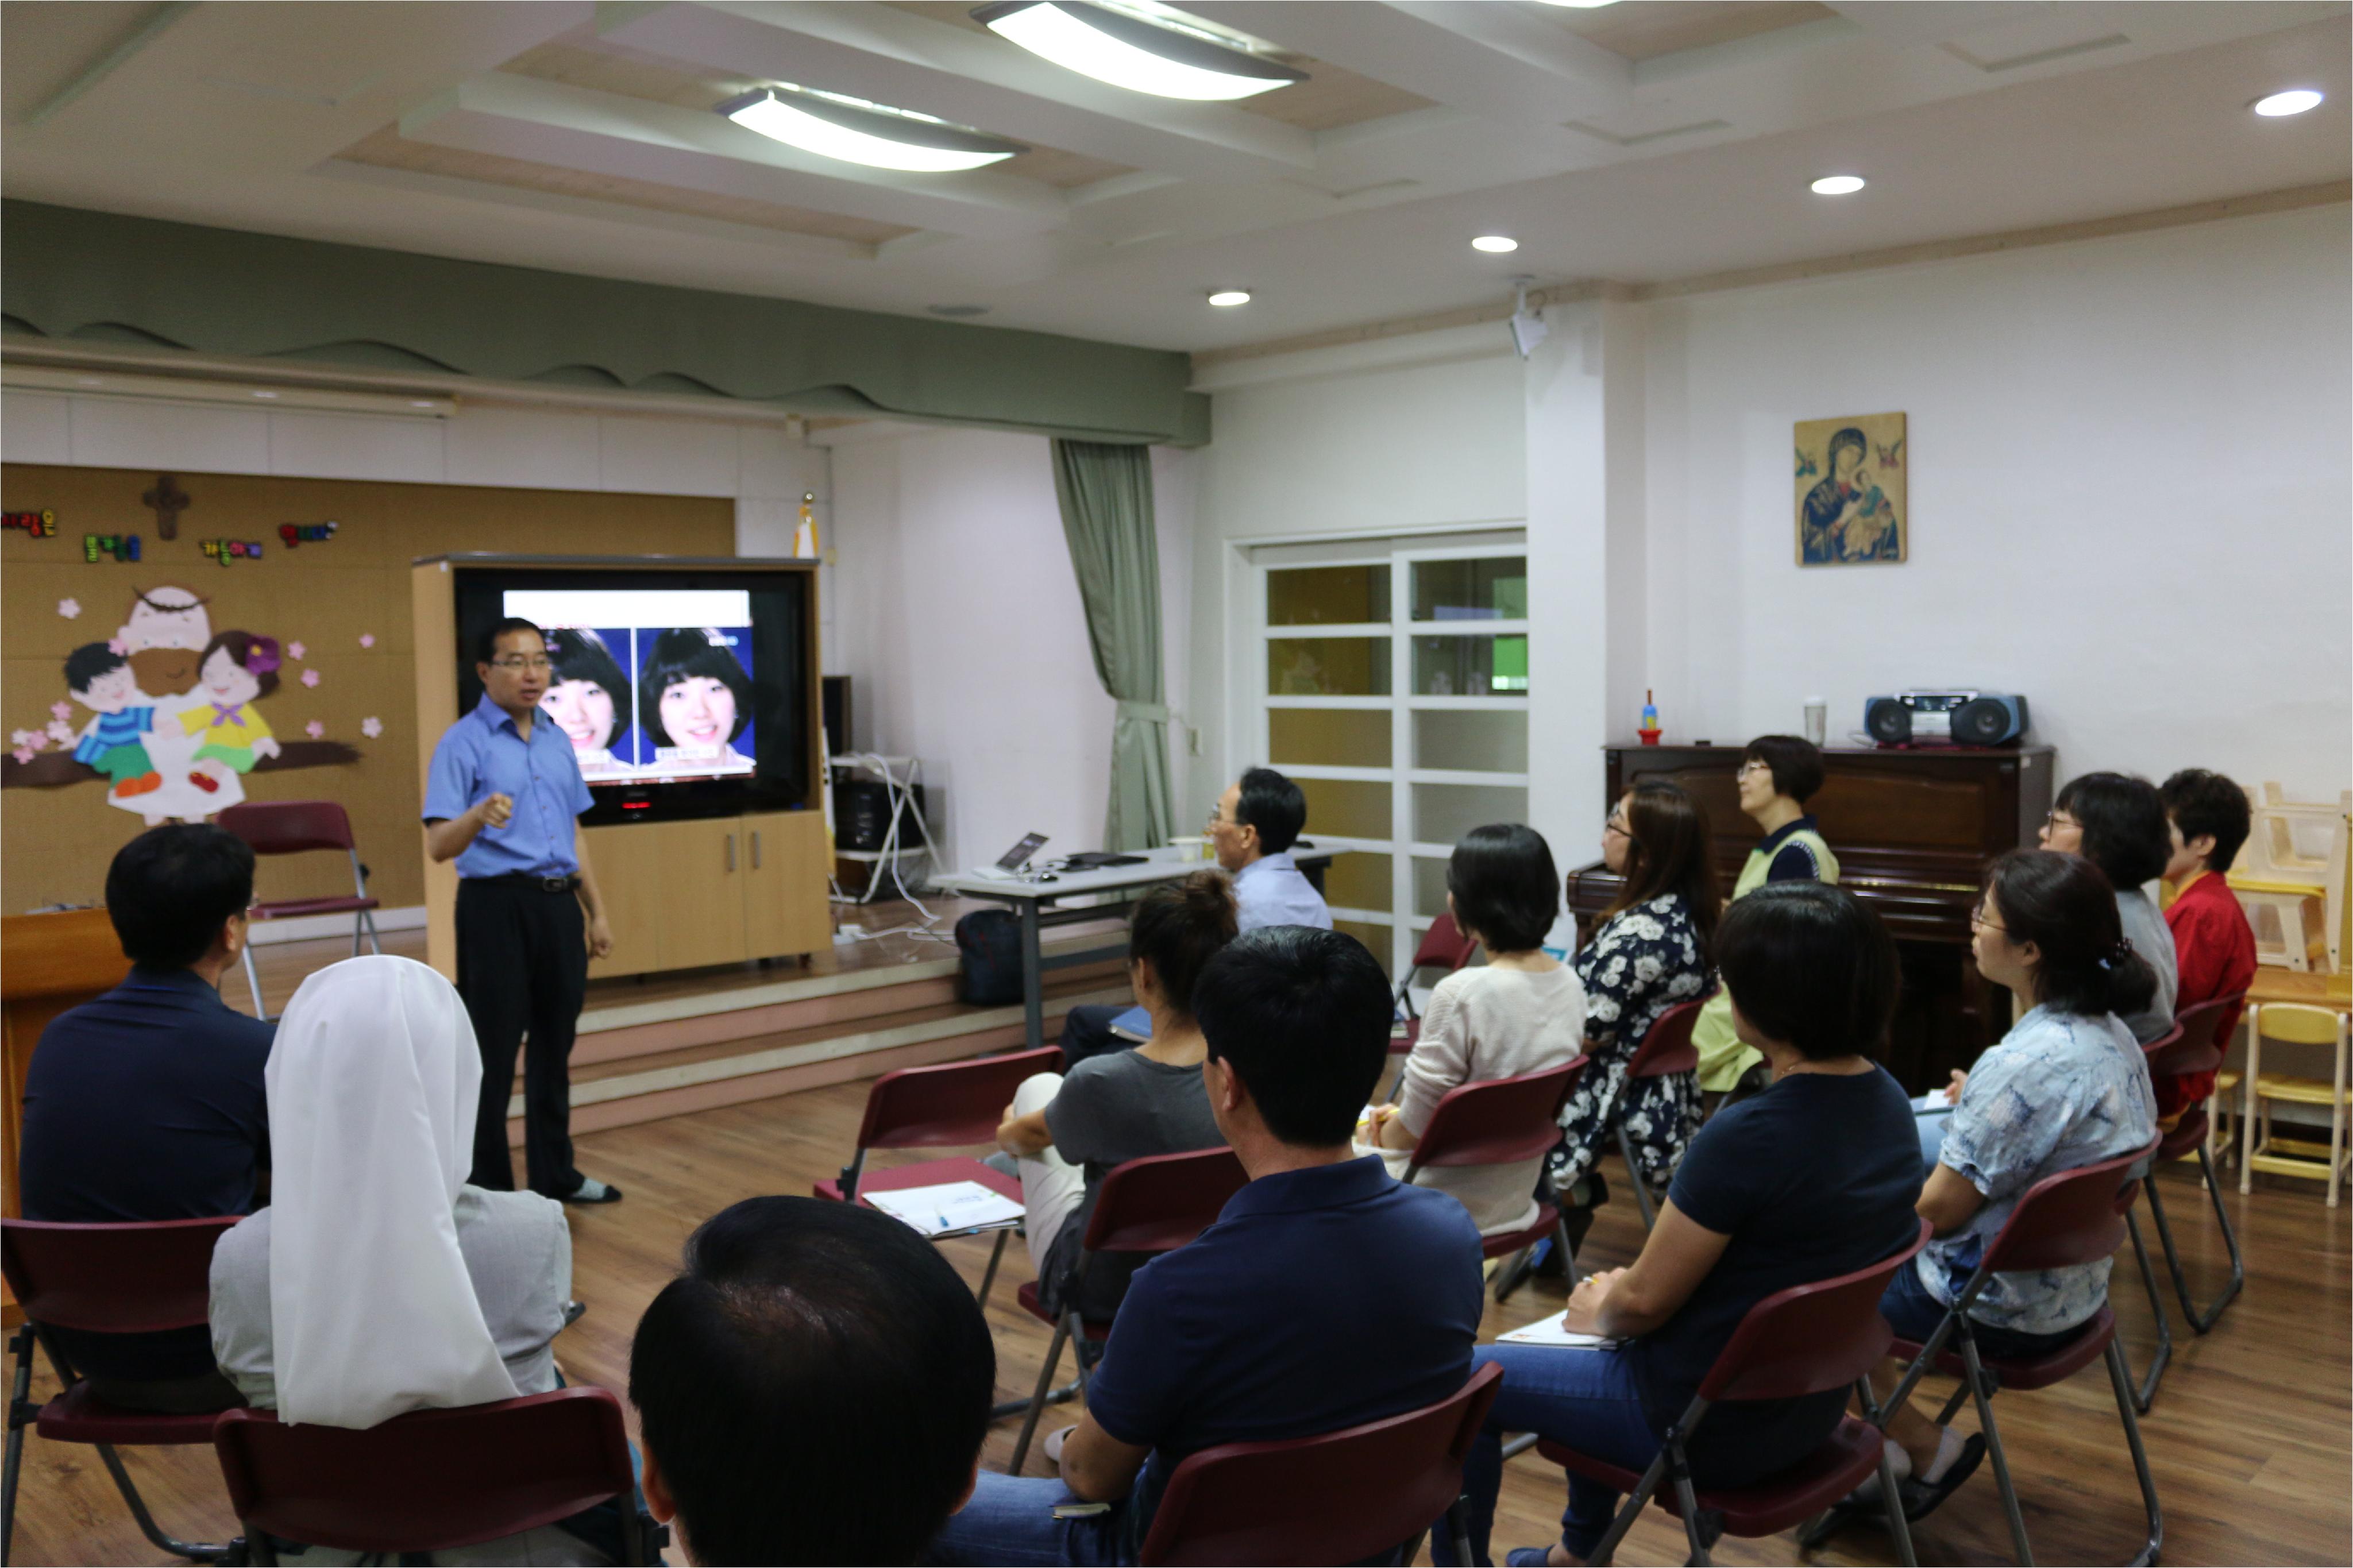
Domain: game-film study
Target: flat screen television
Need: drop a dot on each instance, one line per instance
(684, 690)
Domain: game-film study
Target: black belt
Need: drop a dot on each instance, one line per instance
(537, 884)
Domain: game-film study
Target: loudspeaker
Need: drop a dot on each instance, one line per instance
(1888, 722)
(1945, 719)
(835, 705)
(861, 815)
(1990, 721)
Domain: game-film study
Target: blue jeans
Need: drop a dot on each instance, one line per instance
(1586, 1398)
(1011, 1519)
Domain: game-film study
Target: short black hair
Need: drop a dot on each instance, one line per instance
(790, 1309)
(680, 652)
(2124, 825)
(89, 662)
(576, 653)
(1274, 806)
(1796, 762)
(1811, 967)
(2067, 906)
(486, 647)
(172, 888)
(1504, 886)
(2202, 802)
(1302, 1016)
(1180, 926)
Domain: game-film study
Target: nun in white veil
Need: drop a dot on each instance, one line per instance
(377, 1282)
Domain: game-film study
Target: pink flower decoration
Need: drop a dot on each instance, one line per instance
(61, 732)
(114, 645)
(315, 729)
(371, 727)
(69, 608)
(23, 754)
(310, 677)
(368, 640)
(295, 650)
(60, 709)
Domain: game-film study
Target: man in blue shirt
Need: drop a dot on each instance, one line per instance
(1326, 1295)
(1258, 819)
(147, 1103)
(501, 799)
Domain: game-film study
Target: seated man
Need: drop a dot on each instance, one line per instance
(2213, 945)
(147, 1104)
(814, 1388)
(1257, 821)
(1326, 1295)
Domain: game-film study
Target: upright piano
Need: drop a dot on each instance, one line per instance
(1914, 831)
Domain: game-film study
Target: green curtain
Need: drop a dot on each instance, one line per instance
(1105, 491)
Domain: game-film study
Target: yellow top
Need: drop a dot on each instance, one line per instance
(239, 729)
(1721, 1056)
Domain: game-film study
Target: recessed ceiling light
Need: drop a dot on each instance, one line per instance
(857, 131)
(88, 381)
(1495, 244)
(957, 312)
(1581, 5)
(2294, 100)
(1168, 55)
(1838, 184)
(265, 394)
(421, 402)
(1230, 296)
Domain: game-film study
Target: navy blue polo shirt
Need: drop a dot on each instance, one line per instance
(1321, 1298)
(146, 1104)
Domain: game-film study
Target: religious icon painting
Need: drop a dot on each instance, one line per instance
(1852, 497)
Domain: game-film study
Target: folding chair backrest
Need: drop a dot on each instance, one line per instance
(133, 1279)
(288, 827)
(1443, 946)
(1667, 1048)
(2300, 1023)
(1163, 1201)
(430, 1481)
(950, 1105)
(2076, 1217)
(1344, 1497)
(1810, 1338)
(1499, 1122)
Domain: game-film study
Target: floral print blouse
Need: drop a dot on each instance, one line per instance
(1644, 961)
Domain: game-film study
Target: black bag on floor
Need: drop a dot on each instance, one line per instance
(988, 943)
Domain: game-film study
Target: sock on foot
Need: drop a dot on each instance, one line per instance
(1950, 1445)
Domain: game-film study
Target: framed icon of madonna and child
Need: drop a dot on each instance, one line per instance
(1851, 504)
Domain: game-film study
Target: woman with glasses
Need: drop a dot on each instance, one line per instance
(2118, 823)
(1649, 953)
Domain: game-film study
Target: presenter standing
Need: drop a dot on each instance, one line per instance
(501, 799)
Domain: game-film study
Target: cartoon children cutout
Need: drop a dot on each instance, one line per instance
(102, 680)
(237, 671)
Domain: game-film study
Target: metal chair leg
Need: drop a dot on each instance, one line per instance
(995, 1256)
(1515, 1446)
(2121, 1379)
(1038, 1400)
(1630, 1511)
(194, 1551)
(1510, 1276)
(20, 1414)
(2200, 1319)
(1892, 1500)
(1634, 1175)
(1976, 1378)
(2144, 1394)
(253, 979)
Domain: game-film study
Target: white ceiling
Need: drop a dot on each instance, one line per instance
(1652, 141)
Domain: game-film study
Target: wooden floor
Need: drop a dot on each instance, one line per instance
(2249, 1437)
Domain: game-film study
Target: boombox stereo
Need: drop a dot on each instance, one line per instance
(1945, 719)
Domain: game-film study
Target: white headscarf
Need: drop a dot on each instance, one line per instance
(374, 1083)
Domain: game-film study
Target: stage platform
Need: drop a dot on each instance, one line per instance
(667, 1044)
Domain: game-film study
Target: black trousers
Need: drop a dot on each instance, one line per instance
(522, 968)
(1086, 1032)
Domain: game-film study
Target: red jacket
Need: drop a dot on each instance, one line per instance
(2215, 948)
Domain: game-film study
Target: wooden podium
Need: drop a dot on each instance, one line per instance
(680, 893)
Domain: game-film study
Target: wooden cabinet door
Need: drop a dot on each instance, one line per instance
(784, 904)
(698, 891)
(628, 865)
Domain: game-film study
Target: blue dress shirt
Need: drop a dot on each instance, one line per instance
(1273, 892)
(483, 754)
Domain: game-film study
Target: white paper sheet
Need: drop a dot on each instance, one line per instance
(1549, 1331)
(952, 1206)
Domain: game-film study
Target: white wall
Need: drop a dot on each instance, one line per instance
(2129, 498)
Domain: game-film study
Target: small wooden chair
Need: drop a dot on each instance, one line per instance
(2295, 1023)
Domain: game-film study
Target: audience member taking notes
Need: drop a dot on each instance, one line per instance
(1521, 1012)
(1257, 821)
(2118, 823)
(149, 1102)
(1812, 1177)
(1326, 1295)
(2213, 945)
(814, 1387)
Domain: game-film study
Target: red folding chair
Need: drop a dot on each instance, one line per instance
(953, 1105)
(1501, 1122)
(1666, 1050)
(109, 1280)
(1344, 1497)
(432, 1480)
(1808, 1339)
(2076, 1217)
(1153, 1204)
(298, 827)
(1443, 946)
(2190, 1048)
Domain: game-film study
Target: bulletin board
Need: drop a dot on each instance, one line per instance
(112, 562)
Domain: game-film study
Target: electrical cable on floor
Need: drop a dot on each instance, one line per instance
(899, 799)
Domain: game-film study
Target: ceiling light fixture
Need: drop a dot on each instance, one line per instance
(857, 131)
(1226, 297)
(1163, 56)
(2294, 100)
(1838, 184)
(957, 312)
(1581, 5)
(1495, 244)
